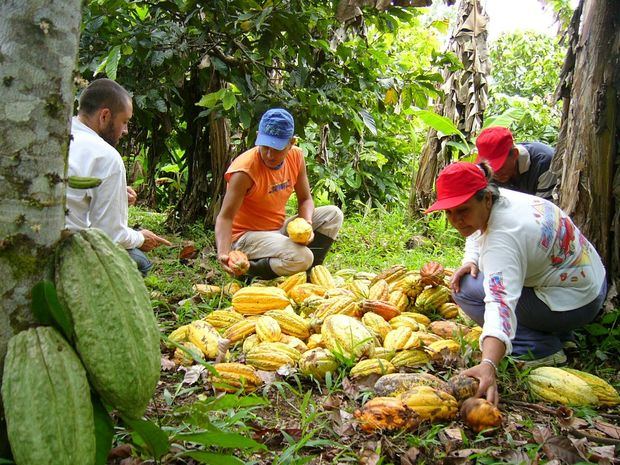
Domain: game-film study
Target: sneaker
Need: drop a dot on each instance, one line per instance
(559, 358)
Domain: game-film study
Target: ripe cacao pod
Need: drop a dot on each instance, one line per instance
(444, 348)
(401, 339)
(115, 331)
(222, 319)
(480, 414)
(321, 276)
(386, 413)
(399, 299)
(251, 341)
(207, 290)
(240, 330)
(371, 366)
(379, 290)
(299, 230)
(182, 358)
(234, 377)
(291, 323)
(293, 280)
(294, 342)
(340, 305)
(463, 387)
(448, 310)
(410, 358)
(391, 274)
(205, 337)
(253, 300)
(230, 288)
(404, 321)
(317, 362)
(238, 262)
(315, 340)
(448, 329)
(380, 307)
(179, 335)
(347, 336)
(419, 317)
(301, 292)
(376, 324)
(46, 397)
(270, 356)
(605, 392)
(268, 329)
(396, 383)
(432, 274)
(430, 403)
(432, 298)
(556, 385)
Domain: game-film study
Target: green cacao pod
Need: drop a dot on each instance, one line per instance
(46, 399)
(115, 331)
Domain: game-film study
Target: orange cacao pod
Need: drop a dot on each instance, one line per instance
(238, 262)
(432, 274)
(386, 413)
(480, 414)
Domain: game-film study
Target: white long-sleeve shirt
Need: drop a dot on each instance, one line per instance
(530, 242)
(105, 206)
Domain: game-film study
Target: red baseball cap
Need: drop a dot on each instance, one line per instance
(456, 184)
(493, 146)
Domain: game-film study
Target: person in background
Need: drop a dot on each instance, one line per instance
(252, 218)
(105, 109)
(528, 277)
(522, 167)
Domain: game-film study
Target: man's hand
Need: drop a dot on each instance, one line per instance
(455, 282)
(152, 240)
(131, 196)
(223, 260)
(485, 373)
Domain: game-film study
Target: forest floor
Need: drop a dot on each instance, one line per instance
(295, 420)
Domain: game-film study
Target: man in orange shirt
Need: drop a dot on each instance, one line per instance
(252, 218)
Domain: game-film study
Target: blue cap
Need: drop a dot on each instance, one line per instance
(275, 129)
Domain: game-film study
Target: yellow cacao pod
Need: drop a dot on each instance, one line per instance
(371, 366)
(379, 290)
(291, 323)
(360, 288)
(399, 299)
(410, 358)
(254, 300)
(391, 274)
(270, 356)
(294, 342)
(251, 341)
(292, 281)
(443, 348)
(432, 298)
(430, 404)
(231, 288)
(182, 358)
(420, 318)
(556, 385)
(448, 310)
(401, 339)
(321, 276)
(376, 324)
(205, 337)
(404, 321)
(347, 336)
(179, 335)
(301, 292)
(341, 305)
(222, 319)
(317, 362)
(383, 353)
(315, 340)
(240, 330)
(206, 290)
(299, 230)
(234, 377)
(605, 392)
(268, 329)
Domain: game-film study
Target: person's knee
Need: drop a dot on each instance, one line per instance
(302, 260)
(332, 219)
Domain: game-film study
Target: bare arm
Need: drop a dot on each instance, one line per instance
(238, 185)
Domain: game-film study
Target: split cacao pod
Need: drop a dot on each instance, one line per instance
(430, 403)
(480, 414)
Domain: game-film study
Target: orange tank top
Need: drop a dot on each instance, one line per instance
(264, 205)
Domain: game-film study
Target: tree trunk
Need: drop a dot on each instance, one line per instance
(587, 156)
(464, 101)
(208, 157)
(38, 50)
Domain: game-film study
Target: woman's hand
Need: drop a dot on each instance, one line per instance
(485, 374)
(455, 282)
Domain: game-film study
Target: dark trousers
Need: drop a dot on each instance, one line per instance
(540, 331)
(144, 264)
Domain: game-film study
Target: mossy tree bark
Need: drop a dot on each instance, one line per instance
(38, 50)
(588, 151)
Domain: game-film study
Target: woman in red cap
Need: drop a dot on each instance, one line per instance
(528, 276)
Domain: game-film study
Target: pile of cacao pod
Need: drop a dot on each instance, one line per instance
(113, 344)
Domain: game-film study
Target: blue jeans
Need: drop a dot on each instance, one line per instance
(144, 264)
(540, 331)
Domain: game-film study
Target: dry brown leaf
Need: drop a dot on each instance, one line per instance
(120, 452)
(192, 374)
(188, 252)
(167, 364)
(369, 455)
(410, 457)
(343, 423)
(561, 448)
(461, 456)
(451, 438)
(610, 430)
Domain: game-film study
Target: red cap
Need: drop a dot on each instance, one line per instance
(493, 146)
(456, 184)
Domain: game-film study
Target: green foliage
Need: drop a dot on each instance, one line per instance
(524, 77)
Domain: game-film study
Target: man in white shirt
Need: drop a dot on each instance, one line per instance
(105, 109)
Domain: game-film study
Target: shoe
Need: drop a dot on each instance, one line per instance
(320, 245)
(559, 358)
(260, 269)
